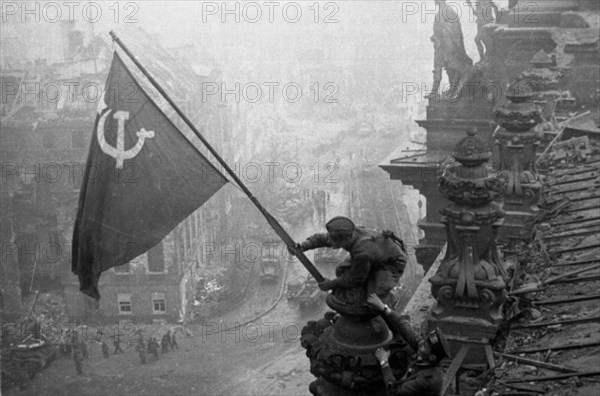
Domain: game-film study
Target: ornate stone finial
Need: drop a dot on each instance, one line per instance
(469, 286)
(520, 91)
(471, 150)
(520, 114)
(469, 183)
(517, 141)
(545, 79)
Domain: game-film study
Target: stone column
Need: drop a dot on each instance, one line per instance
(469, 287)
(518, 140)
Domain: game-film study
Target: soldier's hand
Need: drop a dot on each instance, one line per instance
(327, 284)
(375, 302)
(294, 250)
(382, 354)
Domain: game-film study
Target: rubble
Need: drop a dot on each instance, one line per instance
(553, 349)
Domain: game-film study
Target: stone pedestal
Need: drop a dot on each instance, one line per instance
(422, 170)
(469, 286)
(517, 140)
(341, 350)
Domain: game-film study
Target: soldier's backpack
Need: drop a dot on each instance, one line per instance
(398, 262)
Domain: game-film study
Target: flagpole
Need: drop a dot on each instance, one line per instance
(287, 239)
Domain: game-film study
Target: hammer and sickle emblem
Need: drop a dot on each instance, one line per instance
(119, 153)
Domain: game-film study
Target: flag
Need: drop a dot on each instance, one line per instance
(142, 178)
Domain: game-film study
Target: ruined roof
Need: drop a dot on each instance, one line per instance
(554, 338)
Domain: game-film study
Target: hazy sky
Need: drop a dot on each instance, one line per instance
(191, 22)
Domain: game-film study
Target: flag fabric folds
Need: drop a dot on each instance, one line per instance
(142, 178)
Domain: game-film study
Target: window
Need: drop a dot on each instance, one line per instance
(124, 302)
(158, 303)
(156, 259)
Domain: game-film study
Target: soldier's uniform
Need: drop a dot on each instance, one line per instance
(173, 342)
(164, 343)
(153, 347)
(141, 348)
(424, 378)
(377, 258)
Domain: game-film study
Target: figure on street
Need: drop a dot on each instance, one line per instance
(104, 349)
(173, 341)
(141, 349)
(164, 343)
(78, 359)
(153, 347)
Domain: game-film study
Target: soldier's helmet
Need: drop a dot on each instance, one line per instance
(340, 227)
(439, 344)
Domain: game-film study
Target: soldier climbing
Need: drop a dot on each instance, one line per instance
(376, 262)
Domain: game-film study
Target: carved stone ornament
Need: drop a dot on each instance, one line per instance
(517, 146)
(471, 280)
(520, 114)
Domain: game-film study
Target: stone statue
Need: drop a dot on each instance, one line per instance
(485, 11)
(449, 49)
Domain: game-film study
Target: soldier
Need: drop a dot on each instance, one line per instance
(164, 343)
(141, 348)
(153, 347)
(173, 341)
(117, 343)
(425, 375)
(377, 259)
(78, 361)
(104, 349)
(168, 337)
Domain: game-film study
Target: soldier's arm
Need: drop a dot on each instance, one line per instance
(357, 274)
(388, 378)
(410, 386)
(316, 241)
(400, 325)
(428, 382)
